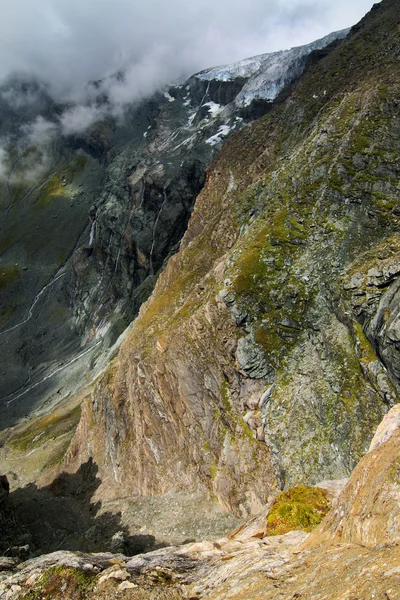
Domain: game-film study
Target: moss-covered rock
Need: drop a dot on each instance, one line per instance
(300, 507)
(61, 582)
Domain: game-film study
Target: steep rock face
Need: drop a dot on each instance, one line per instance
(367, 510)
(247, 368)
(89, 217)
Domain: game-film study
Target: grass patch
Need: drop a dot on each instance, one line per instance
(298, 508)
(9, 274)
(62, 582)
(45, 428)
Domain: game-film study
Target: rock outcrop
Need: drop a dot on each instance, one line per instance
(367, 512)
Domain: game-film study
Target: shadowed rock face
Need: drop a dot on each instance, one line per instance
(8, 522)
(89, 219)
(61, 516)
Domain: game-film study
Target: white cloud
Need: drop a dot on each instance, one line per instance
(69, 42)
(79, 118)
(39, 131)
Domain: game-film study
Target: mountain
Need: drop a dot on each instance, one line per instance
(91, 212)
(264, 359)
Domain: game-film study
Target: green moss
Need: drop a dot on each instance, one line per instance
(394, 472)
(42, 429)
(301, 507)
(364, 347)
(62, 582)
(269, 339)
(225, 396)
(213, 470)
(245, 430)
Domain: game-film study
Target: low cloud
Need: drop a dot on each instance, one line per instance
(31, 167)
(79, 118)
(39, 132)
(98, 57)
(69, 42)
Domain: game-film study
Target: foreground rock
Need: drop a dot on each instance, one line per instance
(359, 539)
(338, 560)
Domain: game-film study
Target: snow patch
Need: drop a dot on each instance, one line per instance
(268, 74)
(222, 132)
(192, 118)
(91, 232)
(185, 142)
(213, 107)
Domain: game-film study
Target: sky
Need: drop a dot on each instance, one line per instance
(70, 42)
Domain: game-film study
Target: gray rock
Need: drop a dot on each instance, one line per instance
(251, 359)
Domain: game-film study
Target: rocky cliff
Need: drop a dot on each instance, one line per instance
(267, 353)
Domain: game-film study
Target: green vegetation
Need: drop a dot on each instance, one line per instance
(54, 187)
(45, 428)
(365, 351)
(301, 507)
(6, 313)
(62, 582)
(225, 396)
(394, 472)
(213, 470)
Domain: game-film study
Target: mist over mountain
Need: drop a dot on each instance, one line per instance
(94, 60)
(67, 43)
